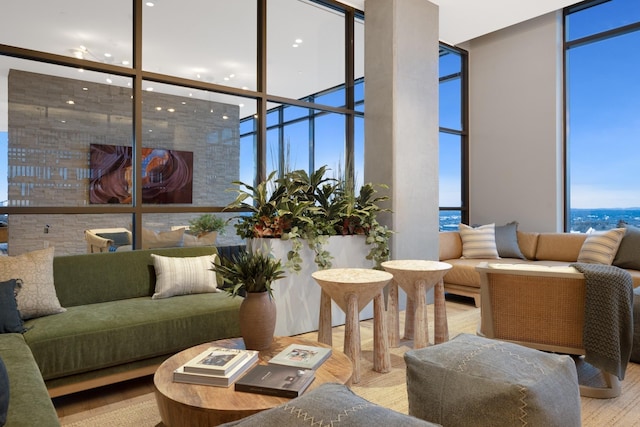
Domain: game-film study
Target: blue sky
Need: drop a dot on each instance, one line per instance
(603, 109)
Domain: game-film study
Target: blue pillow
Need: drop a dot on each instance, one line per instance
(4, 393)
(10, 320)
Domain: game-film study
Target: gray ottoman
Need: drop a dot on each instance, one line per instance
(475, 381)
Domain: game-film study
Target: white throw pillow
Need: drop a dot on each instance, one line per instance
(479, 242)
(207, 239)
(163, 239)
(183, 276)
(601, 247)
(37, 297)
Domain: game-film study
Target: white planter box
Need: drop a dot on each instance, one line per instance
(297, 296)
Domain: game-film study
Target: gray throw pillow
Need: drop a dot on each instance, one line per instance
(330, 404)
(10, 320)
(628, 255)
(507, 241)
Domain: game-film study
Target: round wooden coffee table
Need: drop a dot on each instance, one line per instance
(193, 405)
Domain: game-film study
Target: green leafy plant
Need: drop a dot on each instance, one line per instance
(207, 223)
(310, 208)
(249, 272)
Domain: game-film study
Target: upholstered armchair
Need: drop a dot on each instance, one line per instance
(105, 239)
(542, 308)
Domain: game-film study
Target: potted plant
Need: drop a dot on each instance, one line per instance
(252, 274)
(301, 207)
(204, 230)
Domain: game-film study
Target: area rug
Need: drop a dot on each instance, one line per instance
(140, 411)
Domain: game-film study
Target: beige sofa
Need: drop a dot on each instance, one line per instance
(539, 248)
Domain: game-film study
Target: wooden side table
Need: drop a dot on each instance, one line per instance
(416, 277)
(187, 405)
(352, 289)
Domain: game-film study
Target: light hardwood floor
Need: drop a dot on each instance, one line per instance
(389, 389)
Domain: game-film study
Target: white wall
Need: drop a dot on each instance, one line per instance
(515, 140)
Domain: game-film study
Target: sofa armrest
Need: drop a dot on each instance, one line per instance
(450, 245)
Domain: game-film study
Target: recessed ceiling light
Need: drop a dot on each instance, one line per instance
(149, 89)
(125, 62)
(109, 80)
(70, 102)
(150, 3)
(225, 117)
(298, 41)
(85, 88)
(294, 45)
(226, 79)
(171, 110)
(158, 108)
(107, 55)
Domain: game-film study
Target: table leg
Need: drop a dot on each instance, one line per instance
(409, 318)
(324, 322)
(381, 357)
(352, 335)
(421, 335)
(441, 328)
(393, 315)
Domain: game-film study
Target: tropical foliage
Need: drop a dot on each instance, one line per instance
(302, 207)
(206, 223)
(249, 272)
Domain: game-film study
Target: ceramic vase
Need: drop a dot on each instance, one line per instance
(257, 320)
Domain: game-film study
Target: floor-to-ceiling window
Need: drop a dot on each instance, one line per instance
(142, 115)
(453, 147)
(602, 60)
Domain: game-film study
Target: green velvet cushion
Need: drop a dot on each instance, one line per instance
(10, 320)
(329, 405)
(4, 393)
(106, 334)
(628, 255)
(109, 276)
(30, 404)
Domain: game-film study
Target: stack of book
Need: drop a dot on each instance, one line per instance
(216, 366)
(288, 374)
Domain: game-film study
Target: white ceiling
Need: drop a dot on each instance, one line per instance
(180, 38)
(463, 20)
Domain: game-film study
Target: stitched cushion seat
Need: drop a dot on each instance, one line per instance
(474, 381)
(329, 405)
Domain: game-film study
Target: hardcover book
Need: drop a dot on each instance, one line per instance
(276, 380)
(216, 361)
(182, 376)
(302, 356)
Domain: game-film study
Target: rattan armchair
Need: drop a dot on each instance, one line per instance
(542, 308)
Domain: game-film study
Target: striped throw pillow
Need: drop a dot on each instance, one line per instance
(601, 247)
(183, 276)
(479, 242)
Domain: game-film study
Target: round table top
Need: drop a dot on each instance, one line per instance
(234, 404)
(415, 265)
(352, 275)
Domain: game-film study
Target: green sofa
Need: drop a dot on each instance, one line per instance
(112, 330)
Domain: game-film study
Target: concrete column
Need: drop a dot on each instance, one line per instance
(401, 119)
